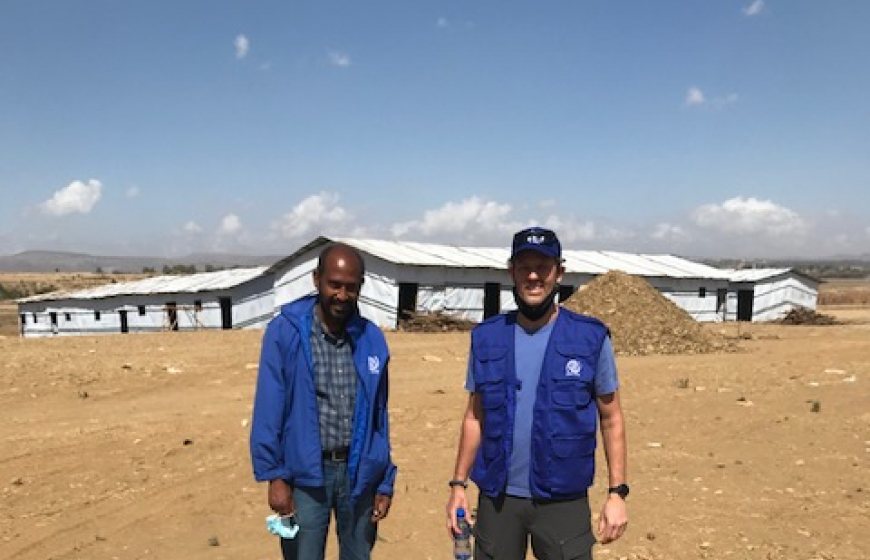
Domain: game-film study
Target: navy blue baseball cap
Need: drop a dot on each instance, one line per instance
(538, 239)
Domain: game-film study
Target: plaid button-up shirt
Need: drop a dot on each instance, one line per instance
(335, 385)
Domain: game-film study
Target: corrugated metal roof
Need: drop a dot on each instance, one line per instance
(755, 274)
(413, 254)
(583, 262)
(205, 281)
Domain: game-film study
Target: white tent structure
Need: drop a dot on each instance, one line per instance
(473, 283)
(768, 294)
(401, 277)
(225, 299)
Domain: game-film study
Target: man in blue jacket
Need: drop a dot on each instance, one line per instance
(320, 433)
(540, 379)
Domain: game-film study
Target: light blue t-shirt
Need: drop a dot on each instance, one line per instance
(529, 350)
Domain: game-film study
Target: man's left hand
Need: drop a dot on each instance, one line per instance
(381, 507)
(613, 520)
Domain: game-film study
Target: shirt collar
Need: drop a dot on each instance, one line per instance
(320, 330)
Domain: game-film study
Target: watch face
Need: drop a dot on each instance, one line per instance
(621, 490)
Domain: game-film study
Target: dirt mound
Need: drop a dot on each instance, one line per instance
(805, 316)
(434, 322)
(641, 320)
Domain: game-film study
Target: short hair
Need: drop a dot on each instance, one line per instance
(324, 254)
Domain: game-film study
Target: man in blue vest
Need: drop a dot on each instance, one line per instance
(319, 434)
(540, 380)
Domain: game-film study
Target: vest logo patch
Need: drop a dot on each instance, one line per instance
(573, 368)
(374, 365)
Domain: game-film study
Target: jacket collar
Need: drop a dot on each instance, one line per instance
(301, 313)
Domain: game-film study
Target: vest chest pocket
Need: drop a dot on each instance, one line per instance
(490, 363)
(571, 380)
(490, 368)
(493, 398)
(573, 363)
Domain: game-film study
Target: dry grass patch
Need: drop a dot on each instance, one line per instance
(22, 284)
(845, 292)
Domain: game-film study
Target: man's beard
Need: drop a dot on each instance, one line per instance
(535, 312)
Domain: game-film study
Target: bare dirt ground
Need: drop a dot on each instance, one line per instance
(127, 447)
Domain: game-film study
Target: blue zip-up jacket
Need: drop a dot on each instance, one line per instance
(285, 431)
(564, 418)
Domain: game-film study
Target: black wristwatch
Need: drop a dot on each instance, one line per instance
(621, 490)
(456, 482)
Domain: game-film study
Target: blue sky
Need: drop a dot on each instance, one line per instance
(715, 128)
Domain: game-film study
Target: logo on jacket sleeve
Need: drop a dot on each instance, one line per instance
(572, 368)
(374, 365)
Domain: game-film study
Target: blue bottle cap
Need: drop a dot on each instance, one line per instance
(460, 512)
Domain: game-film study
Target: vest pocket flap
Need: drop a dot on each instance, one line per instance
(492, 394)
(490, 353)
(573, 447)
(572, 398)
(573, 350)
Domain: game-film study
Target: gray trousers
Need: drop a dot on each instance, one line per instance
(559, 530)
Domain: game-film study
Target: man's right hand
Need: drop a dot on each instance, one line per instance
(457, 500)
(281, 497)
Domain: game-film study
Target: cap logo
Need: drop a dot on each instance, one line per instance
(374, 365)
(573, 368)
(536, 239)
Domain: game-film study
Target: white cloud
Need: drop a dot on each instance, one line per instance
(340, 59)
(192, 227)
(230, 225)
(747, 216)
(77, 197)
(842, 240)
(132, 192)
(694, 96)
(312, 215)
(722, 102)
(570, 231)
(242, 45)
(668, 232)
(472, 215)
(754, 9)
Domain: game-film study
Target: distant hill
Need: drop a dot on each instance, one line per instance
(834, 267)
(57, 261)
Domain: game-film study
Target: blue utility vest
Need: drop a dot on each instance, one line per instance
(564, 418)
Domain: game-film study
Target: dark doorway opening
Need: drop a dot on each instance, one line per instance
(721, 303)
(23, 323)
(53, 317)
(407, 300)
(226, 313)
(744, 304)
(124, 326)
(565, 291)
(172, 315)
(491, 299)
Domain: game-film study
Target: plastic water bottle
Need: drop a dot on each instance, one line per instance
(462, 540)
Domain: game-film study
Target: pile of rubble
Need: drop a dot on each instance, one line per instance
(641, 320)
(805, 316)
(434, 322)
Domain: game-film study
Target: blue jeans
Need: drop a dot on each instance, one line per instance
(356, 532)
